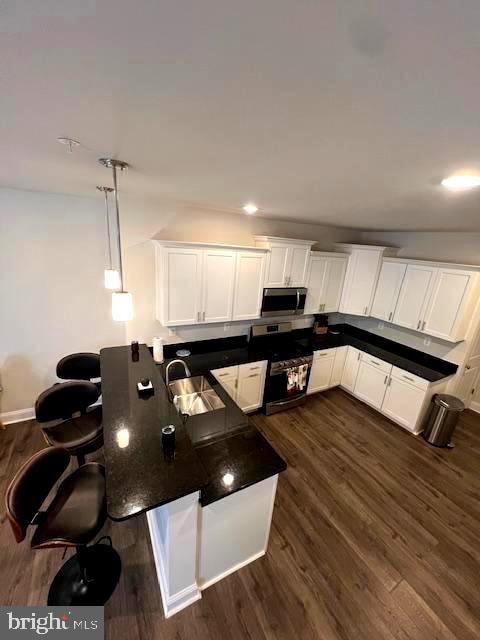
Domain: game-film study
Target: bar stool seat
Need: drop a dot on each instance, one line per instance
(82, 434)
(67, 522)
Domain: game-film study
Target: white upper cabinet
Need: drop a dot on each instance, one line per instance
(287, 261)
(179, 283)
(218, 283)
(325, 279)
(388, 290)
(450, 304)
(413, 296)
(247, 299)
(361, 278)
(197, 284)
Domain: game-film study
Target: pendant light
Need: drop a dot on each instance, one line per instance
(122, 303)
(111, 275)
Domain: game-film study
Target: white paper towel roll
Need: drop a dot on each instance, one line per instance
(158, 349)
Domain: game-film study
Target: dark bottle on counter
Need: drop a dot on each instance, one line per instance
(135, 351)
(168, 440)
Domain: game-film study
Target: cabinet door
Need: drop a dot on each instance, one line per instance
(361, 279)
(388, 290)
(333, 284)
(278, 265)
(321, 372)
(403, 403)
(315, 284)
(446, 306)
(249, 275)
(218, 283)
(298, 262)
(413, 296)
(181, 285)
(338, 366)
(350, 370)
(228, 378)
(251, 382)
(371, 384)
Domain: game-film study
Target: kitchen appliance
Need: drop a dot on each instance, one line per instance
(290, 361)
(320, 324)
(283, 302)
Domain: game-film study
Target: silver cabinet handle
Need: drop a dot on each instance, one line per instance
(423, 324)
(221, 375)
(468, 367)
(359, 354)
(203, 316)
(253, 375)
(321, 355)
(365, 311)
(390, 315)
(409, 379)
(379, 364)
(198, 316)
(385, 381)
(254, 368)
(389, 382)
(419, 323)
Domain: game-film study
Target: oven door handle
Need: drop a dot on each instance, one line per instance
(298, 300)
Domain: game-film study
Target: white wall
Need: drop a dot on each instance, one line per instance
(52, 300)
(461, 247)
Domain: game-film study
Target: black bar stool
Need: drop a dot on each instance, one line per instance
(69, 419)
(73, 518)
(80, 366)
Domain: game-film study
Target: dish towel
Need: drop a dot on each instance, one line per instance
(302, 376)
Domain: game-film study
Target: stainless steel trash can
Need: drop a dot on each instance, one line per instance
(442, 419)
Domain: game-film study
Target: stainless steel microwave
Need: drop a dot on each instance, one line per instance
(283, 302)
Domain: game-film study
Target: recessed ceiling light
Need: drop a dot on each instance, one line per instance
(69, 143)
(461, 182)
(250, 208)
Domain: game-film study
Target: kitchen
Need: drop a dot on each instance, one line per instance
(240, 258)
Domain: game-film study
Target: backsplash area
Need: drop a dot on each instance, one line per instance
(433, 346)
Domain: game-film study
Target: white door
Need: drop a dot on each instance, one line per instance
(218, 283)
(249, 275)
(333, 284)
(338, 365)
(371, 384)
(446, 304)
(403, 403)
(467, 386)
(299, 256)
(350, 370)
(361, 279)
(321, 372)
(388, 290)
(315, 284)
(413, 297)
(278, 266)
(181, 285)
(251, 382)
(228, 378)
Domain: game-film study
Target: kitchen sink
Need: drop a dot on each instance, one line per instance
(193, 396)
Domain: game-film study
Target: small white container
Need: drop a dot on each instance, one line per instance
(158, 350)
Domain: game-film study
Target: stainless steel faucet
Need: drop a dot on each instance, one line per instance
(177, 361)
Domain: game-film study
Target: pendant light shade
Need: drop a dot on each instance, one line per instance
(112, 279)
(122, 306)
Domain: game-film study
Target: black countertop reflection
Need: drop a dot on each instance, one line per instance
(216, 457)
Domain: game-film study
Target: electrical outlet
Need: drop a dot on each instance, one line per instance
(226, 326)
(427, 342)
(381, 325)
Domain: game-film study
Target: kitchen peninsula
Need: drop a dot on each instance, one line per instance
(209, 508)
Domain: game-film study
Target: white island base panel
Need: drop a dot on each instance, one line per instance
(195, 546)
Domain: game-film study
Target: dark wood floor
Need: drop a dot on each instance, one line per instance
(375, 535)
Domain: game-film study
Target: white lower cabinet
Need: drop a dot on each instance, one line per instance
(372, 379)
(403, 402)
(350, 370)
(244, 383)
(321, 372)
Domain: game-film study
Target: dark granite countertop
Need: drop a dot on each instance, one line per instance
(223, 456)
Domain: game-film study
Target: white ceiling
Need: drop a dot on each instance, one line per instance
(339, 112)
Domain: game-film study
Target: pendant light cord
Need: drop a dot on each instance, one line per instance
(120, 263)
(108, 231)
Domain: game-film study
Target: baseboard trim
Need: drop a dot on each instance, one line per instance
(475, 406)
(22, 415)
(236, 567)
(180, 600)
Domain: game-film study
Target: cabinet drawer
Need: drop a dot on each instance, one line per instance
(324, 353)
(225, 372)
(405, 376)
(376, 362)
(254, 367)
